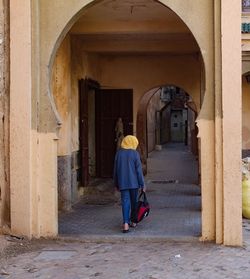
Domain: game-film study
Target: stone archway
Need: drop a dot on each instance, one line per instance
(192, 60)
(141, 122)
(44, 26)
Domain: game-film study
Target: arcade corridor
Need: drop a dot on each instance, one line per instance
(173, 194)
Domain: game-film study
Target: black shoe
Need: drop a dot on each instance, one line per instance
(125, 231)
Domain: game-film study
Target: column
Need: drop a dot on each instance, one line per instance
(231, 122)
(20, 116)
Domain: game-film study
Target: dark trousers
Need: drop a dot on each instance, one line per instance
(129, 199)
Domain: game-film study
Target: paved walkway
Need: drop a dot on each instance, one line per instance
(173, 196)
(173, 162)
(134, 257)
(130, 260)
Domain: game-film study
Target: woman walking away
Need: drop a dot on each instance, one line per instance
(128, 179)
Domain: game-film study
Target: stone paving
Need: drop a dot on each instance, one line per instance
(163, 246)
(173, 162)
(175, 212)
(131, 260)
(175, 207)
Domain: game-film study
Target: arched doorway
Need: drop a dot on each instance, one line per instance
(137, 53)
(168, 98)
(50, 24)
(116, 62)
(171, 155)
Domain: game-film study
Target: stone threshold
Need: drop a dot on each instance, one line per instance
(130, 237)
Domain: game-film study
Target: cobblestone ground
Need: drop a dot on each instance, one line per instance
(134, 259)
(164, 246)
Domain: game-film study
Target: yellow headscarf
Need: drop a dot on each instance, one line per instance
(129, 142)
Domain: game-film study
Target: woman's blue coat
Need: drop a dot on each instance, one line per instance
(128, 170)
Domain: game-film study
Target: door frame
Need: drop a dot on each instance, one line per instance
(85, 85)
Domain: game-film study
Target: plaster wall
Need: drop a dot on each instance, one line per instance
(44, 196)
(78, 71)
(156, 18)
(232, 117)
(20, 119)
(143, 72)
(71, 64)
(48, 205)
(33, 172)
(82, 65)
(154, 105)
(61, 87)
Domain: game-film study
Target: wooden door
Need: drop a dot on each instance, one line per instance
(83, 134)
(110, 105)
